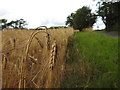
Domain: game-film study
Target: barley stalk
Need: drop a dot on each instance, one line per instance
(25, 59)
(4, 61)
(13, 41)
(28, 45)
(39, 42)
(33, 59)
(52, 55)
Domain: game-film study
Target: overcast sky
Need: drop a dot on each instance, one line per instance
(42, 12)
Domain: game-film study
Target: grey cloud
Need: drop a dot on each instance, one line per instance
(59, 23)
(45, 22)
(52, 21)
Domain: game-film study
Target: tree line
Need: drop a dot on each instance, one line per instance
(83, 18)
(15, 24)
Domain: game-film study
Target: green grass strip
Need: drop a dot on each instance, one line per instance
(92, 61)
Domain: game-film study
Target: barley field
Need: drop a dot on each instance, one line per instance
(33, 58)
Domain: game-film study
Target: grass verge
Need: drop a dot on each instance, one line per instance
(91, 61)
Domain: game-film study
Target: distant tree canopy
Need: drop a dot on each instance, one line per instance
(110, 13)
(3, 23)
(82, 18)
(17, 24)
(57, 27)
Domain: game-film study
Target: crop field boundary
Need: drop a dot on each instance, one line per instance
(37, 63)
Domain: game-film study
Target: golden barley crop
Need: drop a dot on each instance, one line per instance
(33, 58)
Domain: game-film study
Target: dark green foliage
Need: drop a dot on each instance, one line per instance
(57, 27)
(69, 21)
(17, 24)
(3, 23)
(82, 18)
(110, 13)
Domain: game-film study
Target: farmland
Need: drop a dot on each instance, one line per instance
(58, 58)
(33, 58)
(79, 49)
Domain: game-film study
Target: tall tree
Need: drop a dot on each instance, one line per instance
(69, 21)
(82, 18)
(3, 23)
(110, 12)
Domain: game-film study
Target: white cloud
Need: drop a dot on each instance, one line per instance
(37, 12)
